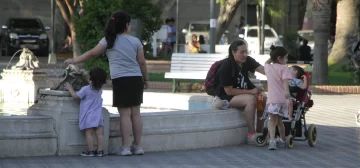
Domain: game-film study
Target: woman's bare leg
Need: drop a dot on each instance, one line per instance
(125, 125)
(248, 102)
(137, 125)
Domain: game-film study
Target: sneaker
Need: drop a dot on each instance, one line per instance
(281, 143)
(137, 150)
(99, 153)
(272, 145)
(87, 153)
(125, 151)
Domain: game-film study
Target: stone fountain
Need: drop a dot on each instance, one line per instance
(20, 83)
(59, 104)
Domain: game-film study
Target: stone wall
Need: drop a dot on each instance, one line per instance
(27, 136)
(188, 129)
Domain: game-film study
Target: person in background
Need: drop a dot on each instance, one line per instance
(201, 39)
(173, 32)
(305, 51)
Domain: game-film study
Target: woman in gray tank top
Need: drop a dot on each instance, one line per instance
(129, 77)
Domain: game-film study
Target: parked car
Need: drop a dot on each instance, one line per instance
(20, 33)
(251, 35)
(200, 28)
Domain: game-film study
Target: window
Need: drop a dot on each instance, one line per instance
(25, 24)
(200, 27)
(242, 31)
(307, 36)
(252, 33)
(268, 33)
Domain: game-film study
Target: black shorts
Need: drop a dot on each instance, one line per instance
(128, 91)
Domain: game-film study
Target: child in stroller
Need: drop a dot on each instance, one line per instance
(295, 129)
(296, 84)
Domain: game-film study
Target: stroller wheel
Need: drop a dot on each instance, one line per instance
(312, 135)
(260, 140)
(289, 141)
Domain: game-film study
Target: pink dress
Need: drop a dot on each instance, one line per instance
(276, 102)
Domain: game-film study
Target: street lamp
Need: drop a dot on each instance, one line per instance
(177, 27)
(262, 26)
(52, 57)
(212, 26)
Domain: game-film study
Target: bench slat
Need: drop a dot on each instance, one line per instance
(198, 63)
(185, 75)
(196, 59)
(196, 66)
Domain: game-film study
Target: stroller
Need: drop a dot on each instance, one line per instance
(295, 130)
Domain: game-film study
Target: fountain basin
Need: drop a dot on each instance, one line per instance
(21, 86)
(52, 129)
(186, 129)
(27, 136)
(65, 112)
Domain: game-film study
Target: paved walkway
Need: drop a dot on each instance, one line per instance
(338, 146)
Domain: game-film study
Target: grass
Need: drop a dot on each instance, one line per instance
(335, 78)
(340, 78)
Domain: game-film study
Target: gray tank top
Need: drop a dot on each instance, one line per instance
(122, 57)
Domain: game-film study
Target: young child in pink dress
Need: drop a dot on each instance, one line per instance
(90, 116)
(277, 75)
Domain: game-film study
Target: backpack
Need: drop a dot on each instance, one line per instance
(210, 83)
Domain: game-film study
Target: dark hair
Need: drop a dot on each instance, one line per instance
(115, 25)
(234, 47)
(305, 41)
(172, 20)
(277, 51)
(98, 78)
(299, 71)
(201, 39)
(167, 21)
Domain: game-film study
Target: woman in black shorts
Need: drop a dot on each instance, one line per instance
(129, 77)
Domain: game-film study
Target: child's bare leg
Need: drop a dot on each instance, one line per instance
(89, 138)
(281, 127)
(100, 138)
(290, 109)
(272, 126)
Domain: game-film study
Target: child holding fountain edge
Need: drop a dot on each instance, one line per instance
(90, 116)
(277, 75)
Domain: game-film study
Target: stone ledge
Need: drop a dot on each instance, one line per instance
(27, 136)
(188, 129)
(318, 89)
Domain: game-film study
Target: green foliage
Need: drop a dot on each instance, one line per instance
(222, 2)
(90, 27)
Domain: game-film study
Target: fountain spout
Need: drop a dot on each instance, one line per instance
(27, 61)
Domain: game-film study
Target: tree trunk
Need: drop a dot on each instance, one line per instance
(75, 44)
(227, 12)
(346, 30)
(321, 25)
(307, 23)
(166, 5)
(68, 11)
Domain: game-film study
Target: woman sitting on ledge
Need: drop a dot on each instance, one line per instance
(236, 87)
(194, 45)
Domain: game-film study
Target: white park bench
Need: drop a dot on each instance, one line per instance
(190, 66)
